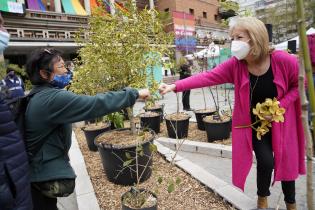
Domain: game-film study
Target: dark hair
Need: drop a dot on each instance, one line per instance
(10, 69)
(41, 59)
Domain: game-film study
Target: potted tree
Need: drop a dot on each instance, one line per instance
(218, 125)
(151, 104)
(177, 123)
(119, 50)
(153, 115)
(206, 111)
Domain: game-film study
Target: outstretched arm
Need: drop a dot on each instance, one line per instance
(223, 73)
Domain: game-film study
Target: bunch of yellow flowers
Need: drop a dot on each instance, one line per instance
(267, 112)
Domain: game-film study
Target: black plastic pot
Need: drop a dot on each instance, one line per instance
(218, 130)
(114, 156)
(179, 127)
(124, 207)
(200, 116)
(91, 134)
(152, 122)
(158, 110)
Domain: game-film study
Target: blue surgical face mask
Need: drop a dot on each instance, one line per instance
(61, 81)
(4, 40)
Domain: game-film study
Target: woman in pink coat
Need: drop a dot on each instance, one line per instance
(257, 73)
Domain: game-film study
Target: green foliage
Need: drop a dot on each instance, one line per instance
(153, 148)
(229, 5)
(116, 118)
(2, 70)
(171, 187)
(115, 55)
(160, 180)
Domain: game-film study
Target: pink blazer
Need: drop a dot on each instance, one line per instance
(288, 140)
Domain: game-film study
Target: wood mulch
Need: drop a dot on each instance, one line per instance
(189, 194)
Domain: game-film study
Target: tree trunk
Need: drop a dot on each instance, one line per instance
(132, 120)
(151, 4)
(304, 51)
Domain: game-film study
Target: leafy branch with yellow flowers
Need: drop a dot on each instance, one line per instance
(266, 112)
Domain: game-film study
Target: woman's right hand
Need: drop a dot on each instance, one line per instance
(165, 88)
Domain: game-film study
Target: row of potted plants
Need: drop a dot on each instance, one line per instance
(117, 54)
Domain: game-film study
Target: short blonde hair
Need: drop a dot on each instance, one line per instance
(258, 35)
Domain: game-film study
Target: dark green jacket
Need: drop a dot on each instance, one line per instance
(49, 115)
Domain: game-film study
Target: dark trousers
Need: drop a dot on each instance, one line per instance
(185, 99)
(265, 165)
(42, 202)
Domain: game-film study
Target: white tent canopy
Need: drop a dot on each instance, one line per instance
(284, 45)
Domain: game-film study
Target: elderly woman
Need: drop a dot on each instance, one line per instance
(49, 115)
(257, 73)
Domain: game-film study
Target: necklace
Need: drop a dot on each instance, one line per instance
(252, 88)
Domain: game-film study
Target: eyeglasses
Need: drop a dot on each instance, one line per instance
(47, 51)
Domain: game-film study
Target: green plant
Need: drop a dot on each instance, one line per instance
(137, 198)
(116, 118)
(119, 50)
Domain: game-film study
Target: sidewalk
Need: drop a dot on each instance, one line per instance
(216, 162)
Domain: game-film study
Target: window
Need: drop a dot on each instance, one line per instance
(191, 11)
(216, 17)
(167, 10)
(204, 14)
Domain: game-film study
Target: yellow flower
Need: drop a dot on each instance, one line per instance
(265, 123)
(269, 108)
(256, 111)
(268, 102)
(278, 117)
(261, 131)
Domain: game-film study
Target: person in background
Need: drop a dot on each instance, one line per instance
(185, 72)
(13, 83)
(15, 190)
(48, 118)
(69, 66)
(259, 72)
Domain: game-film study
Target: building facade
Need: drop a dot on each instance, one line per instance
(56, 23)
(280, 13)
(205, 12)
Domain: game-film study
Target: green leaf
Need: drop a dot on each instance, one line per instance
(178, 180)
(139, 148)
(128, 156)
(153, 148)
(171, 187)
(127, 163)
(141, 153)
(160, 180)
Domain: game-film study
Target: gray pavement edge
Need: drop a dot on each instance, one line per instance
(85, 195)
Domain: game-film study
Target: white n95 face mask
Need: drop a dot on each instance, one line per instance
(240, 49)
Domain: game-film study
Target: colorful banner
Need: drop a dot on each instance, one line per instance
(184, 28)
(11, 6)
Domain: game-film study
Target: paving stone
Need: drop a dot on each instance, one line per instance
(88, 202)
(236, 197)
